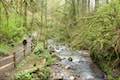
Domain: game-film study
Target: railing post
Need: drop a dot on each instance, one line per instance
(31, 45)
(14, 59)
(24, 51)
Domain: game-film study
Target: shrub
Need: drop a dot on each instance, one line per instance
(23, 76)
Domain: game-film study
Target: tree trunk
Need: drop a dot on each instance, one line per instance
(25, 13)
(6, 12)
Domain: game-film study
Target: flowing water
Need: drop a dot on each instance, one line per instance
(73, 65)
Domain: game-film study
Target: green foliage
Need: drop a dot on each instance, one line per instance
(109, 72)
(23, 76)
(4, 49)
(39, 49)
(42, 74)
(49, 59)
(43, 53)
(12, 32)
(12, 24)
(39, 74)
(97, 33)
(100, 35)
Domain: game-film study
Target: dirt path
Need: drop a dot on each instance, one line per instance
(7, 71)
(30, 62)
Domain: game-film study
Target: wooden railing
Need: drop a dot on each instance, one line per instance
(19, 53)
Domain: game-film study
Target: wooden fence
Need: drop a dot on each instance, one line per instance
(19, 53)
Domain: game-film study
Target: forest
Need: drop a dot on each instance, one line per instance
(80, 25)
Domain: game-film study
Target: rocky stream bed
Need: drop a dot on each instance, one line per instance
(73, 65)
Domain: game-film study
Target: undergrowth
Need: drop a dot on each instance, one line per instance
(44, 53)
(39, 74)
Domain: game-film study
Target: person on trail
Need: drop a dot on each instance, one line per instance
(24, 42)
(24, 45)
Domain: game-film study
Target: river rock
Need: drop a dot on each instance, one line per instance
(67, 67)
